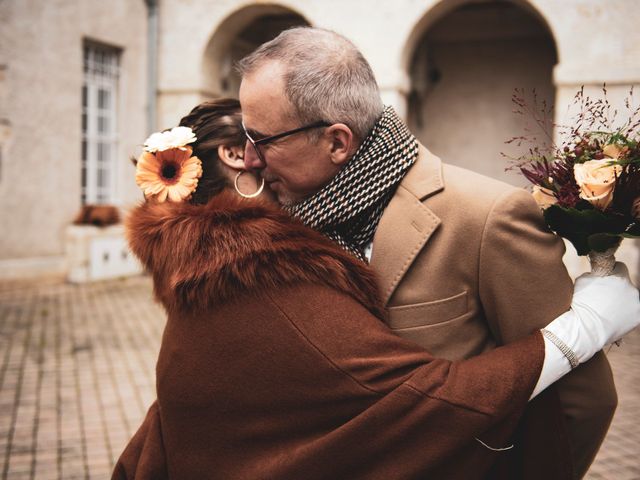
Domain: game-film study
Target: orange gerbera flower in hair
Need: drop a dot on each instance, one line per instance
(168, 174)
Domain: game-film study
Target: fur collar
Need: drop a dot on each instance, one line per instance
(200, 255)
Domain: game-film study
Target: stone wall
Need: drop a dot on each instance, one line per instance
(41, 75)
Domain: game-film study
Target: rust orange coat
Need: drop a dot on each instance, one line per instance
(275, 364)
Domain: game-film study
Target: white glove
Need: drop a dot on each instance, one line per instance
(603, 309)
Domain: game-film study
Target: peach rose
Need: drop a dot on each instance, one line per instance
(596, 179)
(614, 151)
(543, 197)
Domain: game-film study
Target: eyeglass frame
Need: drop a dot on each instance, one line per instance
(278, 136)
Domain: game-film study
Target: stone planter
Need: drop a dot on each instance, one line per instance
(98, 253)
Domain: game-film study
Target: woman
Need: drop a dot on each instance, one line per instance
(274, 361)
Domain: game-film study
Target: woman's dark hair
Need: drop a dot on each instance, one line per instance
(214, 123)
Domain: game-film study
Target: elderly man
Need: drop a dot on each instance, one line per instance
(456, 253)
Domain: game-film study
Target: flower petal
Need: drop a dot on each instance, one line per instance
(173, 155)
(174, 193)
(162, 196)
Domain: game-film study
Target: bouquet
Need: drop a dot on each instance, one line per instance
(589, 186)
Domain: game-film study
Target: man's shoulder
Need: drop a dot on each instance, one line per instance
(433, 180)
(467, 183)
(454, 193)
(474, 193)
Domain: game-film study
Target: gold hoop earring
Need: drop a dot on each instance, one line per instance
(250, 195)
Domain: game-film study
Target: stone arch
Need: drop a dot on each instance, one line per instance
(236, 36)
(464, 58)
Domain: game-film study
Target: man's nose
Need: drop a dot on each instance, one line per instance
(251, 159)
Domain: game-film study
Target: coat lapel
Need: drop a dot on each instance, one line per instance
(407, 224)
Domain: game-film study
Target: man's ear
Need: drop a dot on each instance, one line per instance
(232, 156)
(342, 142)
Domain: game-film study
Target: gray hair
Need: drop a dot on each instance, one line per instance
(326, 77)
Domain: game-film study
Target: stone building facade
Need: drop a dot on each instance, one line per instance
(73, 89)
(448, 66)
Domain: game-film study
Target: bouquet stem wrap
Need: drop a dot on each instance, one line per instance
(603, 263)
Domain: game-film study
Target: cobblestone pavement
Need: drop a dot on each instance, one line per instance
(77, 374)
(619, 457)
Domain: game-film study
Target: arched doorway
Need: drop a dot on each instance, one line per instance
(464, 67)
(238, 35)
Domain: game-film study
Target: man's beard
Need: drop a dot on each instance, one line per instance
(286, 200)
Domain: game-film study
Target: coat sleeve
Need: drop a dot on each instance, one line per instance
(143, 458)
(517, 250)
(475, 395)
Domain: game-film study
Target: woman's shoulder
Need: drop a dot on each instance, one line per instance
(200, 255)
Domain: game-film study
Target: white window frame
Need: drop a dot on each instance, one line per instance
(101, 67)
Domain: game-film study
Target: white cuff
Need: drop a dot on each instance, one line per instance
(554, 367)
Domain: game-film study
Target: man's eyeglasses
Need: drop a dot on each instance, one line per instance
(278, 136)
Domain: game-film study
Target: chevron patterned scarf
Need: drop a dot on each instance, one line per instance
(348, 209)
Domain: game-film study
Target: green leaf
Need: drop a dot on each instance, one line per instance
(583, 205)
(633, 231)
(601, 242)
(561, 221)
(579, 225)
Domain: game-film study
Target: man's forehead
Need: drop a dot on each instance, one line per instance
(268, 70)
(264, 105)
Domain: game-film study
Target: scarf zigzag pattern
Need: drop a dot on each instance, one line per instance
(348, 209)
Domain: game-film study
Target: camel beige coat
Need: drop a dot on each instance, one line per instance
(466, 263)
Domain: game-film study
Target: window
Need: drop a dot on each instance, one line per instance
(99, 128)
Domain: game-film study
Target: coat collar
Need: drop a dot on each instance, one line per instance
(201, 255)
(425, 177)
(407, 224)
